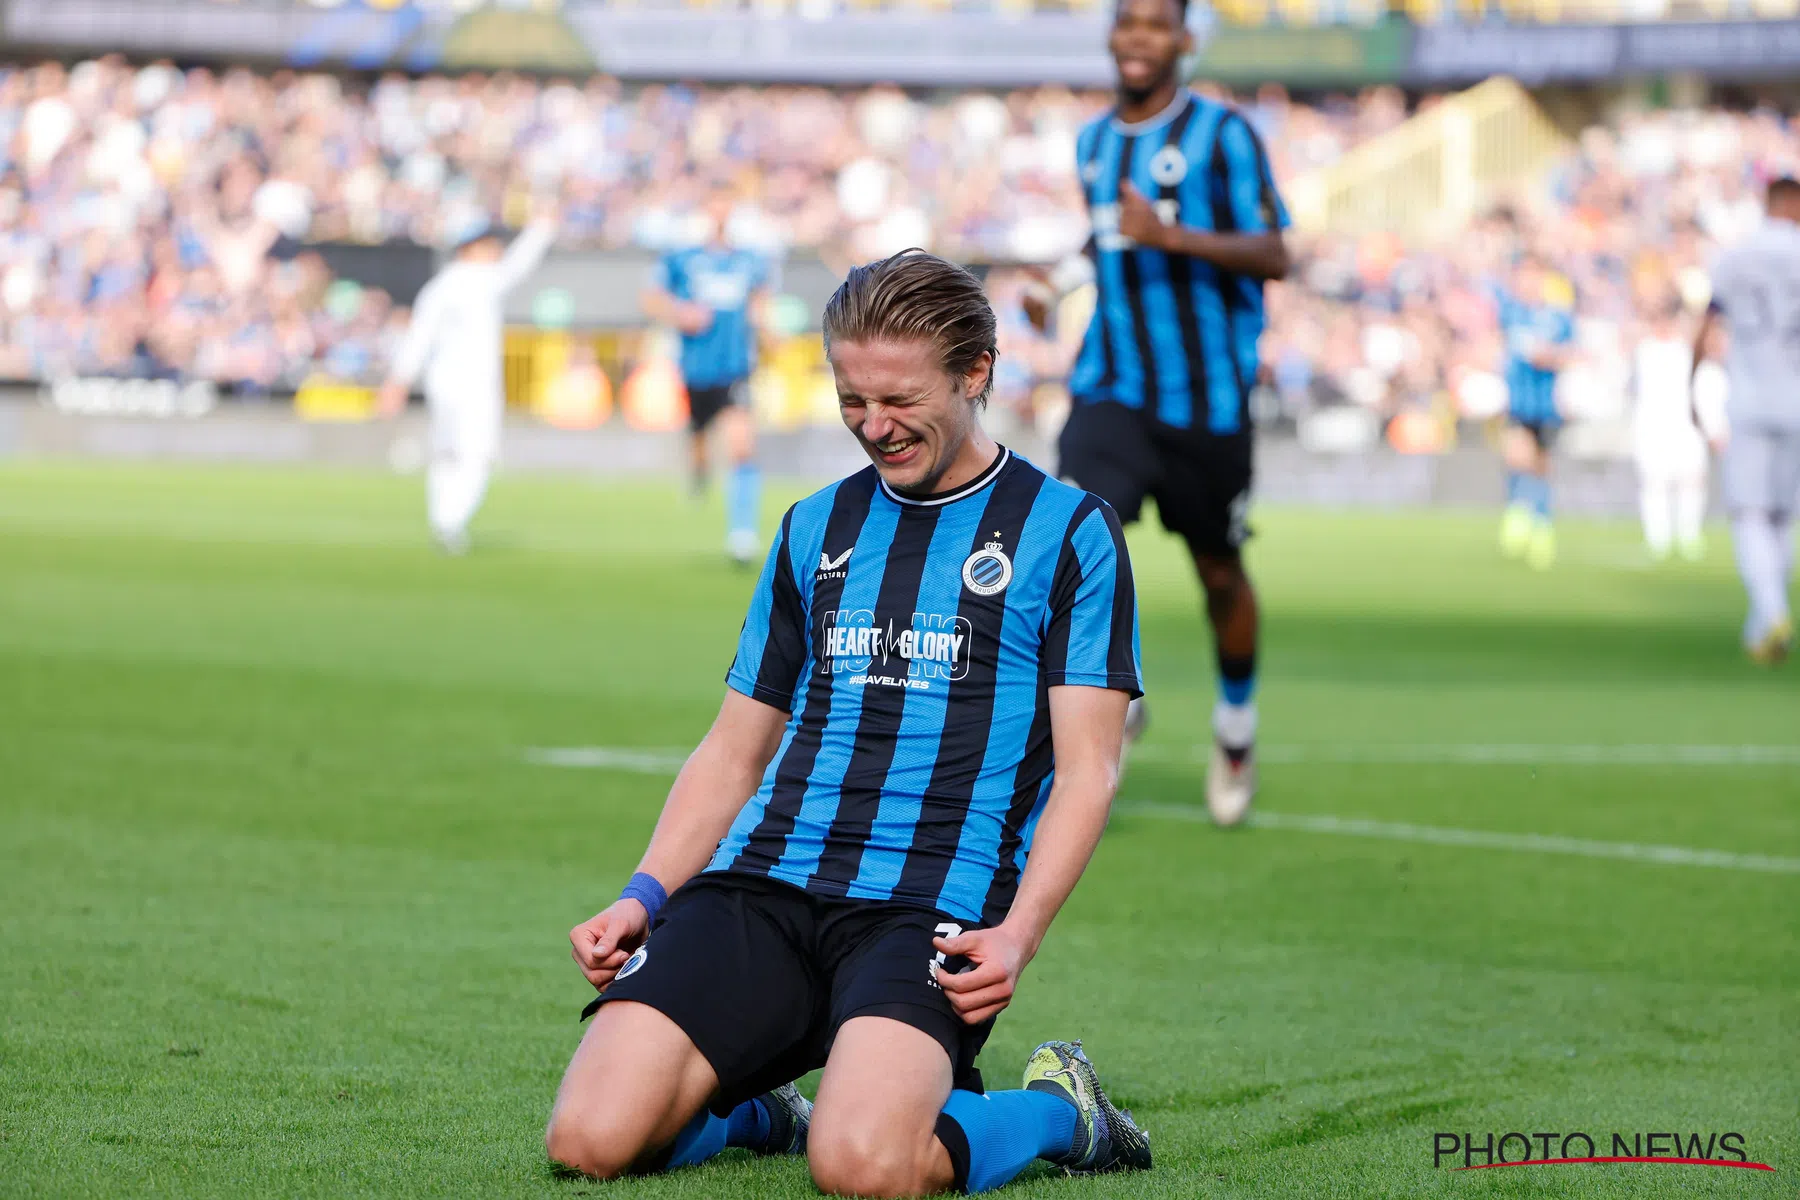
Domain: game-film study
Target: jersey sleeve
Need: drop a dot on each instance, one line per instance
(525, 254)
(662, 274)
(1087, 151)
(421, 334)
(1723, 275)
(1565, 328)
(763, 273)
(1247, 180)
(1092, 637)
(771, 649)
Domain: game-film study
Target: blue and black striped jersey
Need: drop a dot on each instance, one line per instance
(1529, 329)
(1170, 332)
(723, 280)
(913, 644)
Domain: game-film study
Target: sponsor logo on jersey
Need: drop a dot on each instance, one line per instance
(1105, 219)
(933, 647)
(720, 289)
(833, 568)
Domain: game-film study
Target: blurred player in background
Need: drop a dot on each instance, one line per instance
(1671, 426)
(714, 295)
(913, 764)
(1539, 329)
(1756, 290)
(455, 341)
(1186, 229)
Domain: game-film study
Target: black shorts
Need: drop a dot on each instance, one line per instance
(706, 403)
(1200, 480)
(760, 975)
(1542, 432)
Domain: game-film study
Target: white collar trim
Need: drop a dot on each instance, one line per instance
(1182, 99)
(968, 489)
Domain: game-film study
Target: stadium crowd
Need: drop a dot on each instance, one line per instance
(153, 221)
(1629, 221)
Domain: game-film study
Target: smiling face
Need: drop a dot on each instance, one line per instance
(914, 420)
(1147, 41)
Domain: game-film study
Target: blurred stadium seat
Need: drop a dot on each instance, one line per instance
(261, 228)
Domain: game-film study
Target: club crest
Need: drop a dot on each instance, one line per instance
(1169, 166)
(988, 570)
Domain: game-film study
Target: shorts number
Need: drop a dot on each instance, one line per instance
(946, 929)
(1238, 522)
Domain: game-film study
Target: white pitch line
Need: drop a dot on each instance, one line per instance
(1481, 839)
(653, 761)
(1500, 753)
(667, 760)
(609, 758)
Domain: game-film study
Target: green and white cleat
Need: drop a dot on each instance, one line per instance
(1776, 643)
(1540, 550)
(1515, 530)
(1106, 1138)
(790, 1116)
(741, 546)
(1230, 784)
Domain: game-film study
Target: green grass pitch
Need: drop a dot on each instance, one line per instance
(283, 904)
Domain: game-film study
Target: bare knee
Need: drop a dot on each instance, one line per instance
(864, 1163)
(591, 1144)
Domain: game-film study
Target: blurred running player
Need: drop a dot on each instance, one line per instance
(454, 341)
(1756, 291)
(713, 294)
(1671, 424)
(1187, 227)
(931, 687)
(1538, 331)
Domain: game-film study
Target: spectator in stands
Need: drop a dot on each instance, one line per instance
(163, 192)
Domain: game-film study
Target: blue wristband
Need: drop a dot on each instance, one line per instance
(648, 891)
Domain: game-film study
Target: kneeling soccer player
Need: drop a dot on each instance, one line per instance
(930, 686)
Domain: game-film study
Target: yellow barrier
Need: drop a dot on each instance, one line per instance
(791, 387)
(577, 380)
(322, 398)
(1430, 174)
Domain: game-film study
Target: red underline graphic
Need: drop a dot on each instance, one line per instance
(1622, 1158)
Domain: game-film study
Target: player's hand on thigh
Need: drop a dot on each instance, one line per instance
(997, 957)
(601, 944)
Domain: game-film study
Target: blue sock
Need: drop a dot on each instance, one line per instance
(1237, 680)
(748, 1125)
(992, 1138)
(1540, 496)
(1515, 488)
(706, 1135)
(703, 1137)
(743, 497)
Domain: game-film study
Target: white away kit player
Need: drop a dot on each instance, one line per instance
(455, 343)
(1756, 290)
(1671, 424)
